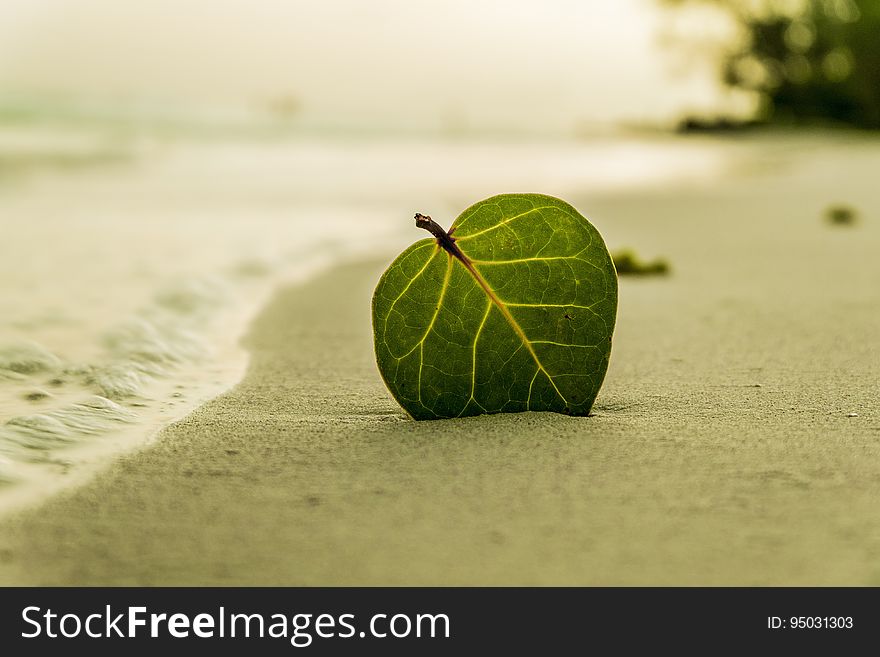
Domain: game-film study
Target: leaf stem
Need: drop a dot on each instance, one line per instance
(444, 239)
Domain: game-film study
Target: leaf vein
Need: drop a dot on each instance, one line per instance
(564, 344)
(504, 222)
(474, 359)
(421, 343)
(406, 288)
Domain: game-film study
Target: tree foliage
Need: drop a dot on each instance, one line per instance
(810, 60)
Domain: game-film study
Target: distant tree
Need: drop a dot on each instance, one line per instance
(810, 60)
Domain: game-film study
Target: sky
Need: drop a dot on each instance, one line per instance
(541, 65)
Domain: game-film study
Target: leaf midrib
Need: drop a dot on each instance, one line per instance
(466, 263)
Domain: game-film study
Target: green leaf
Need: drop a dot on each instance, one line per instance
(511, 310)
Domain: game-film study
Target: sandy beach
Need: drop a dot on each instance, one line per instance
(736, 440)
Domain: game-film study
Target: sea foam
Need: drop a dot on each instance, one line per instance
(166, 334)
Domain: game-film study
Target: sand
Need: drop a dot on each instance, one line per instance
(736, 440)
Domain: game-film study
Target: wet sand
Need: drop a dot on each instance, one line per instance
(736, 439)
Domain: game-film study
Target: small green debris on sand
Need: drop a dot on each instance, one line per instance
(628, 263)
(841, 215)
(35, 395)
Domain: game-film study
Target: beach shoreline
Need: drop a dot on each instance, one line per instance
(134, 276)
(712, 458)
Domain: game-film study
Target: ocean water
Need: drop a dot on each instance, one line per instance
(131, 265)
